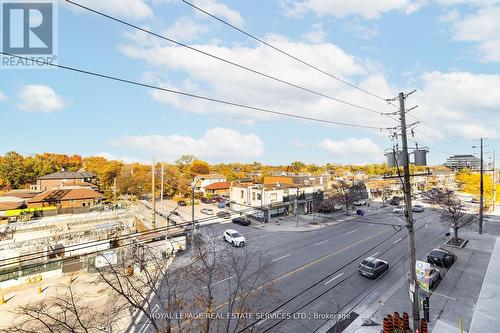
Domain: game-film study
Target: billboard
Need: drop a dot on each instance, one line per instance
(422, 269)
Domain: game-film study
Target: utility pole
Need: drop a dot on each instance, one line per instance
(409, 216)
(153, 194)
(494, 182)
(481, 191)
(161, 187)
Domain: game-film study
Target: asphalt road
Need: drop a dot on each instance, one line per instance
(324, 262)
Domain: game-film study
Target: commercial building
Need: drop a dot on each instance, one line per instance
(270, 200)
(460, 162)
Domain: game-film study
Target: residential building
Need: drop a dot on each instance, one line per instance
(63, 178)
(68, 199)
(205, 180)
(460, 162)
(298, 179)
(270, 200)
(219, 188)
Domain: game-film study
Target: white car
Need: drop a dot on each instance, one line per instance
(234, 238)
(398, 210)
(359, 202)
(207, 211)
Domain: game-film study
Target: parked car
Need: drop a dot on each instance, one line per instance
(241, 220)
(440, 257)
(398, 210)
(418, 209)
(207, 211)
(234, 238)
(359, 202)
(224, 214)
(434, 278)
(373, 267)
(395, 201)
(181, 203)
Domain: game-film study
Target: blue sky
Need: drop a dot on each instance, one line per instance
(449, 50)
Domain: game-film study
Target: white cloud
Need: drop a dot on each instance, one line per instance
(353, 149)
(39, 98)
(216, 145)
(360, 30)
(342, 8)
(483, 28)
(220, 9)
(130, 9)
(316, 35)
(210, 77)
(3, 97)
(124, 159)
(186, 29)
(460, 103)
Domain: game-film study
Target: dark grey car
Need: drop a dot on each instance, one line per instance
(373, 267)
(441, 257)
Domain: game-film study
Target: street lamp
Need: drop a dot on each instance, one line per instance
(196, 179)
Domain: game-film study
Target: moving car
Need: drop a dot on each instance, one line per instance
(359, 202)
(224, 214)
(182, 203)
(373, 267)
(440, 257)
(418, 209)
(207, 211)
(398, 210)
(241, 220)
(234, 238)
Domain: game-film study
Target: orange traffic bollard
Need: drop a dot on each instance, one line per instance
(388, 328)
(423, 325)
(406, 320)
(395, 319)
(40, 289)
(2, 300)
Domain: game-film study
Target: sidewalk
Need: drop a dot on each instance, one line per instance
(455, 297)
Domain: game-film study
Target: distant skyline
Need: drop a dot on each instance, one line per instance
(449, 50)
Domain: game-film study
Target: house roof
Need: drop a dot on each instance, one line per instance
(58, 194)
(11, 205)
(23, 194)
(68, 175)
(219, 186)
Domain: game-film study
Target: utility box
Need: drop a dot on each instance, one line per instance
(395, 158)
(421, 156)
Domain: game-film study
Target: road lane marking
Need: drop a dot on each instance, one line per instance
(350, 232)
(375, 254)
(323, 242)
(261, 322)
(327, 282)
(398, 240)
(145, 326)
(314, 262)
(282, 257)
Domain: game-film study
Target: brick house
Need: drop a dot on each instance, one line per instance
(64, 178)
(219, 188)
(66, 198)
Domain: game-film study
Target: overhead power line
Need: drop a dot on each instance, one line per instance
(308, 64)
(206, 98)
(227, 61)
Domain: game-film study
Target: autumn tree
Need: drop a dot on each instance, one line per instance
(106, 171)
(185, 161)
(199, 167)
(346, 193)
(13, 170)
(453, 211)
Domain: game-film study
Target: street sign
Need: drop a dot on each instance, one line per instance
(422, 269)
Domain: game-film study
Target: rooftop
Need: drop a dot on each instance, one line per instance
(68, 175)
(57, 194)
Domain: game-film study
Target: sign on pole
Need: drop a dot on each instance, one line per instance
(422, 269)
